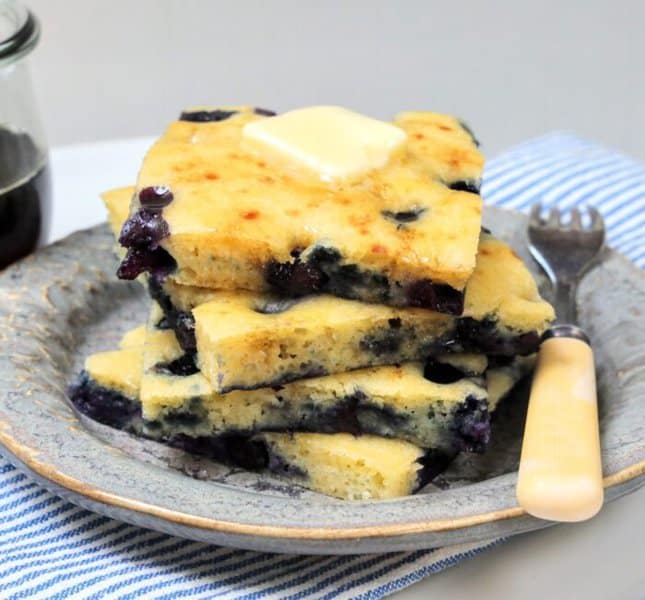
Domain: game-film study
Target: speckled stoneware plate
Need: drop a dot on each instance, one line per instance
(65, 302)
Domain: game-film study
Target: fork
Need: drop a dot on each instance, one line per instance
(560, 472)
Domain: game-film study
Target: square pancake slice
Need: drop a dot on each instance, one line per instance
(352, 468)
(449, 414)
(211, 214)
(245, 340)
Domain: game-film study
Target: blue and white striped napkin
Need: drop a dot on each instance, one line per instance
(52, 549)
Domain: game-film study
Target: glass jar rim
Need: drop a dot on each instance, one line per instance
(22, 37)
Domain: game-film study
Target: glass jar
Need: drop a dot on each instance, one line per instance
(25, 187)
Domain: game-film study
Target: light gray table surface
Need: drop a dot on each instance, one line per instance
(600, 559)
(513, 70)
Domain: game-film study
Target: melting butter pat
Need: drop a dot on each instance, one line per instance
(330, 141)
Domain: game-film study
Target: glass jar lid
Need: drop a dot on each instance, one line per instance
(19, 31)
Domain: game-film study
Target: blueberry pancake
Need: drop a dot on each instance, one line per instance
(245, 340)
(205, 213)
(352, 468)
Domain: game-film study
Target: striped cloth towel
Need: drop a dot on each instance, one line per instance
(52, 549)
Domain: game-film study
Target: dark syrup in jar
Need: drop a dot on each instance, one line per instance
(25, 196)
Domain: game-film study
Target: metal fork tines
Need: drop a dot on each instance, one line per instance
(565, 252)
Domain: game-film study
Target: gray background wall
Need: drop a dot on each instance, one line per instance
(512, 69)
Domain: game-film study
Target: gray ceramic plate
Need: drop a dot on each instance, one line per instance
(64, 302)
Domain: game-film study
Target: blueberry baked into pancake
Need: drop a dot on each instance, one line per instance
(325, 304)
(225, 204)
(390, 428)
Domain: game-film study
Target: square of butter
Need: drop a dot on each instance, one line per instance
(329, 141)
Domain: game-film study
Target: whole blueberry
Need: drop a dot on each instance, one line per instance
(155, 197)
(466, 185)
(423, 293)
(439, 372)
(404, 216)
(264, 112)
(144, 229)
(295, 278)
(206, 116)
(156, 262)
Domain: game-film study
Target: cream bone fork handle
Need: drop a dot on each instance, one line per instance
(560, 473)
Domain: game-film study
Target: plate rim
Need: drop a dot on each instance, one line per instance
(26, 456)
